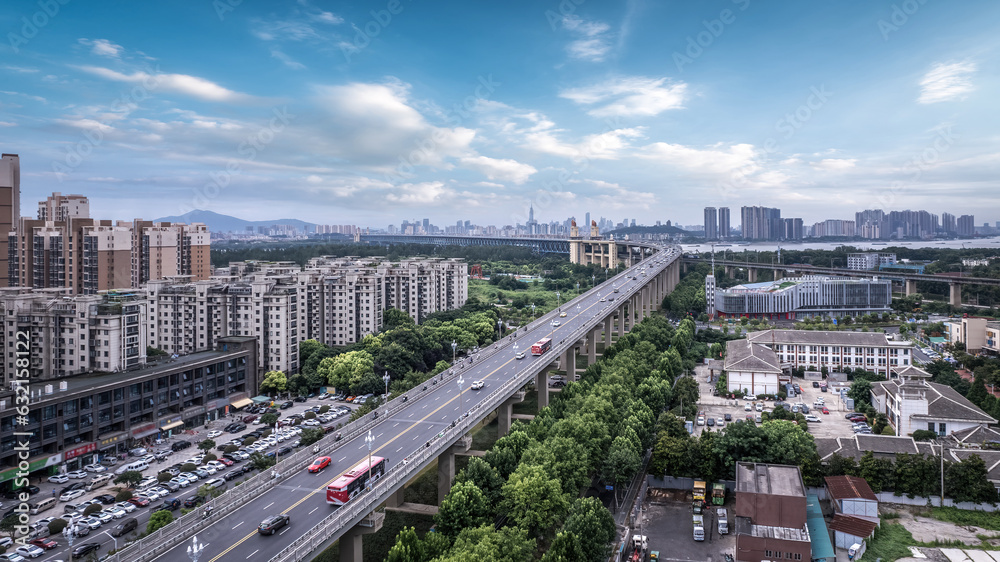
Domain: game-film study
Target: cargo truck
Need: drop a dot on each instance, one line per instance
(699, 528)
(699, 490)
(718, 493)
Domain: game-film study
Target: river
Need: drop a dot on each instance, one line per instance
(866, 245)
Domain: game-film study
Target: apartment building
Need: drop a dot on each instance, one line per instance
(58, 207)
(10, 206)
(977, 334)
(73, 334)
(711, 224)
(869, 260)
(871, 351)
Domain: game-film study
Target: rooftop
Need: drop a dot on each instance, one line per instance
(742, 355)
(854, 526)
(817, 337)
(774, 479)
(849, 487)
(943, 402)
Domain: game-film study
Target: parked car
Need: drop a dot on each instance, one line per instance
(180, 446)
(29, 551)
(299, 399)
(214, 433)
(105, 499)
(286, 405)
(44, 543)
(71, 495)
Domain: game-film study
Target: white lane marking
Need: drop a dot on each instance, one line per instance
(283, 531)
(399, 449)
(342, 458)
(268, 505)
(238, 524)
(252, 553)
(314, 509)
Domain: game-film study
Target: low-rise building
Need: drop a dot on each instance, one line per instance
(753, 368)
(770, 513)
(73, 419)
(814, 349)
(911, 402)
(801, 297)
(976, 334)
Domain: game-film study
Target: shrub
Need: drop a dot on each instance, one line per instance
(924, 435)
(210, 457)
(56, 526)
(231, 449)
(324, 408)
(163, 477)
(123, 496)
(310, 415)
(188, 467)
(92, 509)
(249, 441)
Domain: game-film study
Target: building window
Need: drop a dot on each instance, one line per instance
(942, 429)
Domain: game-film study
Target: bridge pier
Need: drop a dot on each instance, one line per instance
(954, 294)
(779, 274)
(506, 413)
(752, 275)
(592, 347)
(446, 466)
(607, 332)
(910, 287)
(351, 547)
(620, 323)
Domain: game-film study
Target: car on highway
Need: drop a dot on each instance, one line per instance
(58, 479)
(271, 524)
(319, 464)
(478, 385)
(84, 550)
(562, 315)
(520, 355)
(555, 323)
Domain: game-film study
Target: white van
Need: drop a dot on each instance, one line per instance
(134, 465)
(97, 482)
(216, 484)
(42, 505)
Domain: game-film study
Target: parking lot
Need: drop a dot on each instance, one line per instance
(830, 425)
(668, 526)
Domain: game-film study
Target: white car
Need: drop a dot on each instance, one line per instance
(77, 474)
(208, 468)
(310, 423)
(29, 551)
(71, 495)
(163, 492)
(104, 516)
(812, 418)
(126, 506)
(214, 433)
(95, 468)
(92, 522)
(180, 481)
(58, 479)
(152, 494)
(555, 323)
(478, 385)
(147, 482)
(116, 512)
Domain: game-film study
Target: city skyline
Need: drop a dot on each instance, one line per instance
(355, 114)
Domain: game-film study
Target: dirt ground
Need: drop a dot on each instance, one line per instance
(926, 529)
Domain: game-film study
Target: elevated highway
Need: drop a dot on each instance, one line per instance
(427, 424)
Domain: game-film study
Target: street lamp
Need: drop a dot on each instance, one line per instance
(461, 386)
(195, 549)
(370, 440)
(532, 312)
(454, 346)
(386, 379)
(593, 280)
(499, 329)
(558, 302)
(117, 555)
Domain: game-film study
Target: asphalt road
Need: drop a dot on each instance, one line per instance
(303, 496)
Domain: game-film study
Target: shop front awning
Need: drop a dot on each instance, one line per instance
(241, 403)
(172, 425)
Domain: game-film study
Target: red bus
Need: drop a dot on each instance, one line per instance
(541, 346)
(352, 482)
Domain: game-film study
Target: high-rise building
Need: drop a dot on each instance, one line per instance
(966, 225)
(59, 207)
(792, 229)
(711, 225)
(724, 226)
(871, 224)
(761, 223)
(10, 207)
(948, 224)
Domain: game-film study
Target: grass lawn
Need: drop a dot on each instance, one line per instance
(964, 518)
(890, 543)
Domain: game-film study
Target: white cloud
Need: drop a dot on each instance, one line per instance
(946, 82)
(500, 169)
(287, 60)
(629, 96)
(424, 193)
(7, 124)
(594, 42)
(328, 17)
(103, 47)
(19, 69)
(601, 146)
(835, 163)
(715, 160)
(180, 83)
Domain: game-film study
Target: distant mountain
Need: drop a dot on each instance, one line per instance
(226, 223)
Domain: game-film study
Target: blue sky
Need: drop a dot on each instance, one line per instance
(371, 113)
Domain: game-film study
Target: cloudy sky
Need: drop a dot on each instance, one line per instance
(373, 112)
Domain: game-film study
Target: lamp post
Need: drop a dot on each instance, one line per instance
(593, 280)
(558, 301)
(386, 379)
(370, 440)
(454, 346)
(461, 385)
(117, 555)
(499, 329)
(195, 549)
(532, 312)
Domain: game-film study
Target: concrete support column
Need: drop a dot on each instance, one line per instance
(503, 418)
(779, 274)
(396, 498)
(910, 286)
(620, 327)
(542, 387)
(752, 275)
(592, 346)
(571, 370)
(446, 473)
(954, 294)
(350, 542)
(607, 331)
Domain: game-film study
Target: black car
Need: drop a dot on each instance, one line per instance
(194, 501)
(72, 487)
(815, 384)
(299, 399)
(84, 549)
(284, 451)
(16, 494)
(180, 446)
(237, 427)
(229, 427)
(105, 499)
(271, 524)
(169, 504)
(286, 405)
(729, 417)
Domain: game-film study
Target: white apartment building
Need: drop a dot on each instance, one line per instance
(869, 260)
(73, 334)
(871, 351)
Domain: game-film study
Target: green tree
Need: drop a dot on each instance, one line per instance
(965, 481)
(534, 500)
(9, 525)
(56, 526)
(465, 506)
(394, 318)
(159, 520)
(860, 392)
(509, 544)
(879, 473)
(621, 463)
(408, 547)
(123, 496)
(594, 527)
(565, 548)
(92, 509)
(310, 435)
(671, 456)
(206, 445)
(348, 370)
(563, 458)
(261, 462)
(484, 476)
(130, 478)
(275, 382)
(268, 420)
(307, 348)
(686, 394)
